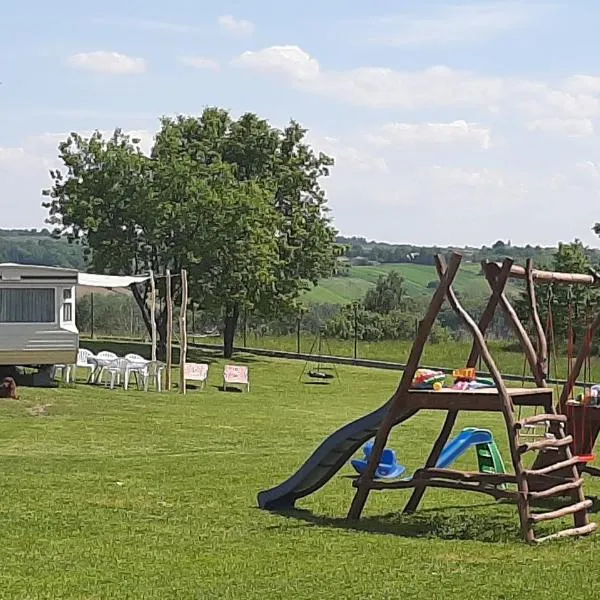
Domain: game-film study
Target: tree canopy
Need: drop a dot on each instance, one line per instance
(236, 202)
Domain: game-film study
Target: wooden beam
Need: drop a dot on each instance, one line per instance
(482, 400)
(518, 272)
(399, 397)
(449, 484)
(542, 345)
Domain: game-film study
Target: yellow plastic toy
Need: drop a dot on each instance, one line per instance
(466, 373)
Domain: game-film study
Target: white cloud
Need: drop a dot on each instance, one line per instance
(107, 62)
(566, 127)
(457, 132)
(239, 26)
(455, 23)
(347, 156)
(199, 62)
(583, 84)
(436, 86)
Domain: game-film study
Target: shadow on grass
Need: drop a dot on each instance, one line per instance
(480, 522)
(485, 522)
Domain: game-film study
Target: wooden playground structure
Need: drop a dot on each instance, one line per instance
(562, 453)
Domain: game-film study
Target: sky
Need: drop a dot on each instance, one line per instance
(450, 123)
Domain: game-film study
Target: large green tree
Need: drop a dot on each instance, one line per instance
(237, 202)
(582, 300)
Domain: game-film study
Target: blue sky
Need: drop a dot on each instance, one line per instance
(446, 120)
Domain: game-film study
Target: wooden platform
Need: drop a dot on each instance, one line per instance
(484, 399)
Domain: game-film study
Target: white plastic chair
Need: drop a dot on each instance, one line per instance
(104, 355)
(138, 367)
(65, 372)
(82, 363)
(116, 369)
(152, 372)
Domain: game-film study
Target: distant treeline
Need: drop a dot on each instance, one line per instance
(33, 247)
(361, 252)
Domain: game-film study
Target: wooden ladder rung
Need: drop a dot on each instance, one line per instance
(557, 466)
(561, 512)
(585, 530)
(557, 489)
(546, 444)
(536, 419)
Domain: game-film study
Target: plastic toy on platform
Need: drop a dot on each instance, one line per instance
(388, 467)
(428, 379)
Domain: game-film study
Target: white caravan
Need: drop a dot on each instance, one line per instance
(37, 314)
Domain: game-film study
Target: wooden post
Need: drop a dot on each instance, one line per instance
(395, 405)
(451, 416)
(583, 353)
(542, 345)
(183, 331)
(507, 407)
(92, 314)
(169, 301)
(490, 309)
(153, 314)
(490, 270)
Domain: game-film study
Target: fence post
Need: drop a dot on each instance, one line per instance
(355, 308)
(92, 313)
(245, 327)
(298, 324)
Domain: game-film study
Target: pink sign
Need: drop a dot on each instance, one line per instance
(235, 374)
(195, 371)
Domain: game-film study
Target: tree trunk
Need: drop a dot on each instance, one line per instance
(231, 320)
(161, 321)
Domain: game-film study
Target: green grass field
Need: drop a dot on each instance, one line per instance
(113, 494)
(342, 290)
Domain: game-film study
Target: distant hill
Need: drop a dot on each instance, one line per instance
(33, 247)
(364, 262)
(419, 280)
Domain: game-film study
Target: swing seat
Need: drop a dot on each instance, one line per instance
(320, 375)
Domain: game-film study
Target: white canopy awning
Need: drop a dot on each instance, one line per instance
(109, 281)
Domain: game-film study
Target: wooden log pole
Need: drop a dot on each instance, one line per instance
(507, 405)
(518, 272)
(183, 331)
(153, 315)
(450, 420)
(542, 345)
(491, 273)
(488, 314)
(438, 446)
(169, 358)
(446, 484)
(584, 351)
(399, 396)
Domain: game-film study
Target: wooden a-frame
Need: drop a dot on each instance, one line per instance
(531, 484)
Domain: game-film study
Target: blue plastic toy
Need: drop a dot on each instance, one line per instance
(388, 468)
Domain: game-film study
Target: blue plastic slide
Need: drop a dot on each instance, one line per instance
(466, 439)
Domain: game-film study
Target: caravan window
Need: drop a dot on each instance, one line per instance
(21, 305)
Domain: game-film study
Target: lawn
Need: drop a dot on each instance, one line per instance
(113, 494)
